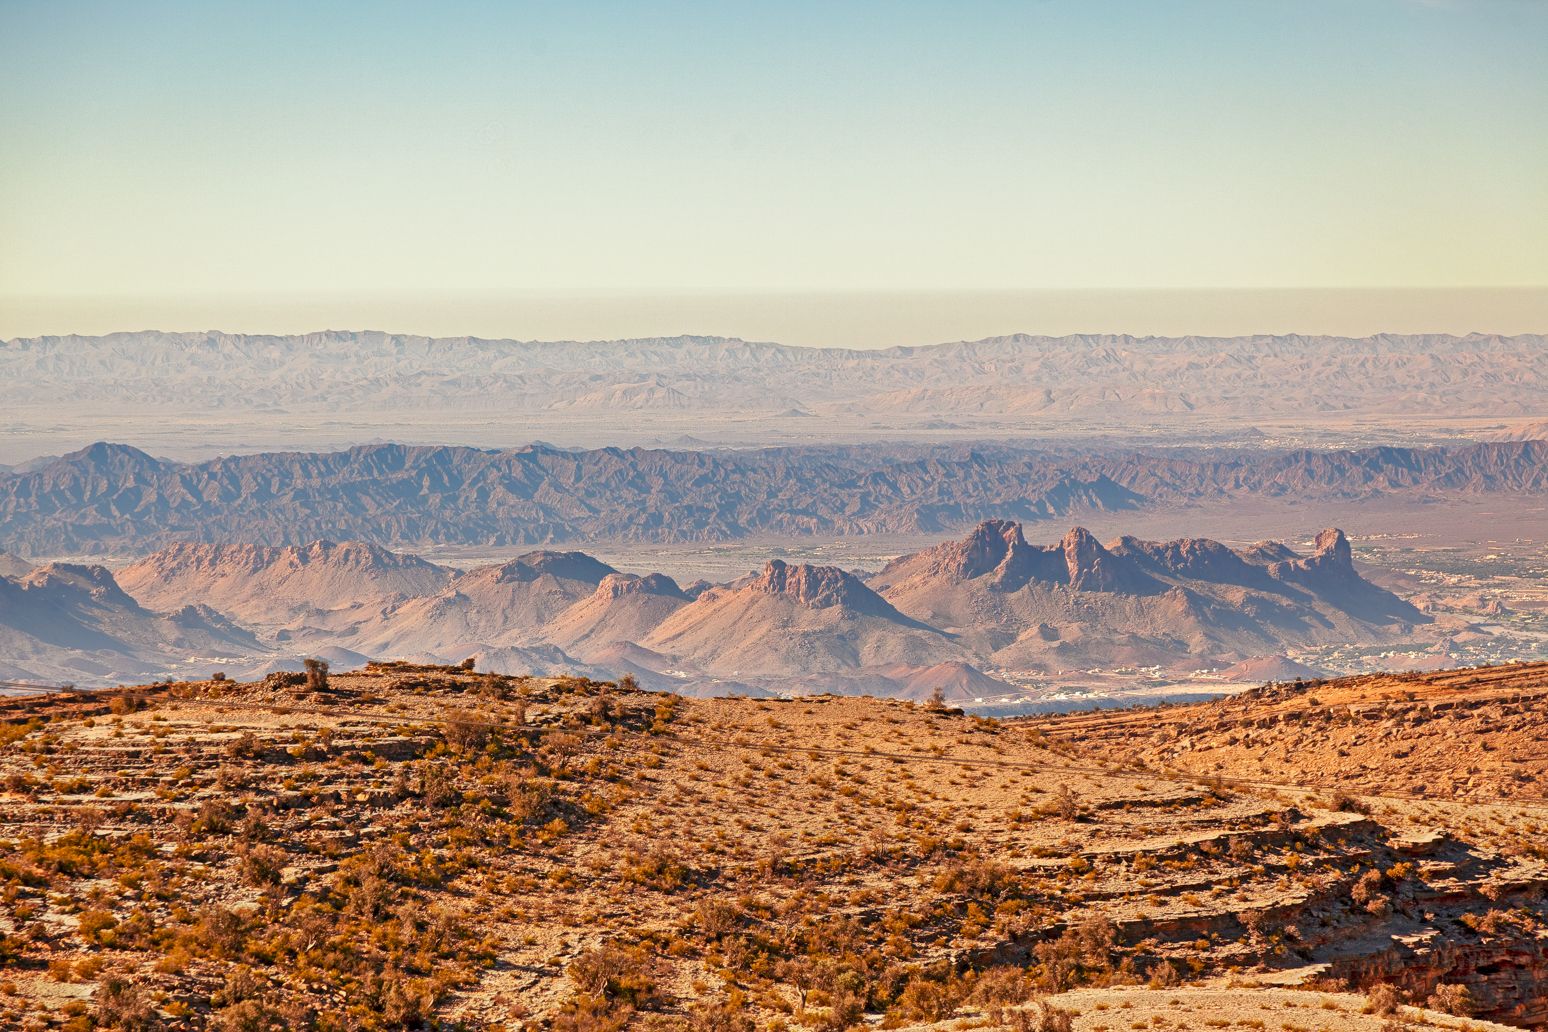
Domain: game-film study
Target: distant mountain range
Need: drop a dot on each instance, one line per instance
(113, 499)
(193, 395)
(946, 618)
(1076, 377)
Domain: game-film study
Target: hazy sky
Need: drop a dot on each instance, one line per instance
(189, 152)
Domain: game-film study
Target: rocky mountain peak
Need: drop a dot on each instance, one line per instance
(986, 548)
(351, 554)
(572, 566)
(1268, 552)
(1330, 574)
(94, 580)
(1090, 565)
(618, 585)
(1194, 558)
(1333, 547)
(105, 453)
(817, 587)
(1331, 558)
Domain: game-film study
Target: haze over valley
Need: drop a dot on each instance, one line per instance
(196, 395)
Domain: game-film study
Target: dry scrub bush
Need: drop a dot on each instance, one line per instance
(466, 733)
(1164, 976)
(611, 981)
(1343, 802)
(658, 868)
(436, 786)
(245, 747)
(930, 998)
(262, 865)
(492, 689)
(1371, 893)
(316, 674)
(716, 918)
(845, 1011)
(1382, 999)
(259, 1016)
(592, 1014)
(121, 1005)
(1082, 954)
(1042, 1018)
(1451, 999)
(722, 1015)
(997, 988)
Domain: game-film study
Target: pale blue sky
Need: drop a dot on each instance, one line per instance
(182, 149)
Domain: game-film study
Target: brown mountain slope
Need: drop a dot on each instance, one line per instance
(64, 622)
(1478, 733)
(419, 846)
(1261, 669)
(624, 608)
(13, 566)
(792, 621)
(265, 586)
(506, 604)
(955, 681)
(990, 600)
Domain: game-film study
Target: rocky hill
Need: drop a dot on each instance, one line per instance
(66, 622)
(508, 604)
(624, 609)
(1457, 734)
(113, 499)
(266, 585)
(13, 566)
(1079, 602)
(410, 846)
(1533, 431)
(799, 624)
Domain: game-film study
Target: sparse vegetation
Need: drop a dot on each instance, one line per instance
(316, 675)
(435, 838)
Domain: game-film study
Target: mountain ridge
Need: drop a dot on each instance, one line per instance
(956, 616)
(111, 499)
(1035, 607)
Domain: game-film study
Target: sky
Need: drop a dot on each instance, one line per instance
(507, 167)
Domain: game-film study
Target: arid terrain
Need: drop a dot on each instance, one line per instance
(837, 517)
(409, 845)
(1477, 733)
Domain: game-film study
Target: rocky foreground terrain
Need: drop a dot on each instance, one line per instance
(410, 846)
(1478, 733)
